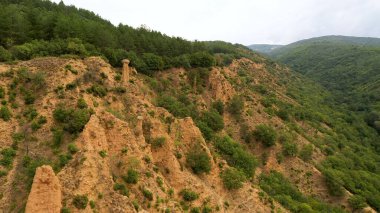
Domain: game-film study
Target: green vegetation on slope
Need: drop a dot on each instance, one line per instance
(33, 28)
(348, 67)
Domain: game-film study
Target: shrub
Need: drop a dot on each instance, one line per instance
(290, 149)
(306, 152)
(103, 153)
(2, 92)
(147, 194)
(158, 142)
(218, 106)
(189, 195)
(5, 113)
(232, 178)
(73, 120)
(81, 104)
(195, 210)
(357, 202)
(213, 120)
(80, 201)
(333, 183)
(8, 155)
(57, 137)
(92, 204)
(266, 134)
(236, 106)
(132, 176)
(207, 132)
(72, 148)
(202, 59)
(97, 90)
(235, 155)
(121, 188)
(198, 160)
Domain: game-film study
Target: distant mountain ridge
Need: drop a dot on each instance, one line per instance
(264, 48)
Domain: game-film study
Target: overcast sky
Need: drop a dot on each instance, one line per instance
(243, 21)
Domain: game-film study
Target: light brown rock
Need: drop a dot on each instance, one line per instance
(45, 195)
(126, 71)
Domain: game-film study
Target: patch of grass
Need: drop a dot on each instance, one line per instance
(132, 176)
(189, 195)
(158, 142)
(232, 178)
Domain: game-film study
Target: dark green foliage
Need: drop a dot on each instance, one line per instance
(147, 194)
(57, 137)
(334, 185)
(81, 104)
(152, 62)
(2, 92)
(92, 204)
(132, 176)
(121, 188)
(189, 195)
(97, 90)
(306, 153)
(72, 120)
(80, 201)
(236, 105)
(218, 106)
(265, 134)
(288, 195)
(5, 113)
(236, 155)
(120, 90)
(207, 132)
(198, 160)
(202, 59)
(213, 120)
(290, 149)
(103, 154)
(195, 210)
(158, 142)
(357, 202)
(232, 178)
(174, 106)
(72, 148)
(8, 155)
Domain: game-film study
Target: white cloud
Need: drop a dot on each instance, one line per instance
(244, 21)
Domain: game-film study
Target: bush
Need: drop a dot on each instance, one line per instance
(202, 59)
(174, 106)
(147, 194)
(333, 183)
(158, 142)
(306, 152)
(121, 188)
(207, 132)
(2, 92)
(290, 149)
(8, 155)
(232, 178)
(5, 113)
(57, 137)
(132, 176)
(235, 155)
(80, 201)
(189, 195)
(266, 134)
(72, 148)
(97, 90)
(213, 120)
(198, 160)
(81, 104)
(73, 120)
(218, 106)
(357, 202)
(236, 106)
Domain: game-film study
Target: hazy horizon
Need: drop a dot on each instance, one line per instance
(243, 21)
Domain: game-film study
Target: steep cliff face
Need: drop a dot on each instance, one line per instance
(121, 152)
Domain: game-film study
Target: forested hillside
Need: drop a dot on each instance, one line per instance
(349, 67)
(31, 28)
